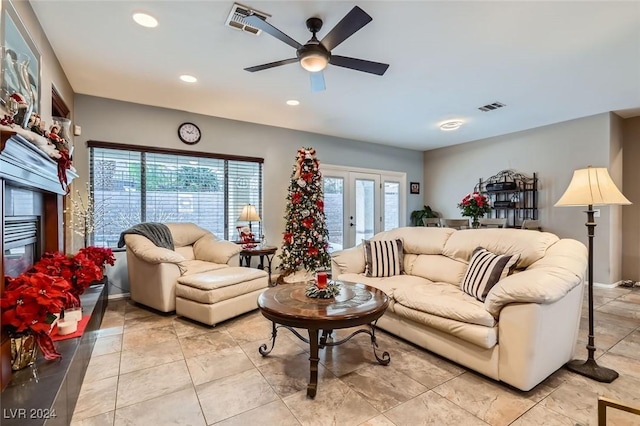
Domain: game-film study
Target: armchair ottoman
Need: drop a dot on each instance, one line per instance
(212, 297)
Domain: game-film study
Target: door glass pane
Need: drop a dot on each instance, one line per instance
(391, 205)
(334, 211)
(364, 212)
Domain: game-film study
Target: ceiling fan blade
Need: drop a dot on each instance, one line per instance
(271, 65)
(270, 29)
(359, 64)
(317, 81)
(352, 22)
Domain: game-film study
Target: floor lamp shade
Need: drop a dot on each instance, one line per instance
(591, 187)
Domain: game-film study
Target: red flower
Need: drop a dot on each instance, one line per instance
(312, 251)
(320, 205)
(288, 237)
(31, 299)
(308, 222)
(99, 255)
(296, 197)
(308, 177)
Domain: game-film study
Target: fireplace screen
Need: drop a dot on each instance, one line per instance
(21, 244)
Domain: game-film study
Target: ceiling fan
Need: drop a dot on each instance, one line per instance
(315, 54)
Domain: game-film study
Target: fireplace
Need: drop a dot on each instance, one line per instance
(32, 204)
(22, 244)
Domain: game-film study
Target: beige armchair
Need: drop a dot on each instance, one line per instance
(154, 271)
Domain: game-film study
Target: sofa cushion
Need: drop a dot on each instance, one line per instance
(435, 267)
(383, 258)
(215, 286)
(484, 337)
(388, 284)
(531, 245)
(186, 233)
(443, 300)
(192, 267)
(485, 270)
(418, 240)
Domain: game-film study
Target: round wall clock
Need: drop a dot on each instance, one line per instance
(189, 133)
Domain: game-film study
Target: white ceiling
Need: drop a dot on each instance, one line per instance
(547, 61)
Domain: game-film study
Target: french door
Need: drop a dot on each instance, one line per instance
(360, 203)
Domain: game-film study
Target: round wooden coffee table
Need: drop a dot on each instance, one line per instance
(357, 304)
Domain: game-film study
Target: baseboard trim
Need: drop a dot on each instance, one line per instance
(602, 285)
(119, 296)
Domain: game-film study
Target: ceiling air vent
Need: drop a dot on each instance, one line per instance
(491, 107)
(236, 18)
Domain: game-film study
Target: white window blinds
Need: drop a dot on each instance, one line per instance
(133, 186)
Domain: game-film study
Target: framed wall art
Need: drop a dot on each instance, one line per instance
(414, 187)
(17, 48)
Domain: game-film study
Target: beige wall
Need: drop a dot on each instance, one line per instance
(554, 152)
(631, 189)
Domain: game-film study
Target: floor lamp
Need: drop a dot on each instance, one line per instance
(591, 187)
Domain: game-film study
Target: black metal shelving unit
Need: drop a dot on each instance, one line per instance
(515, 204)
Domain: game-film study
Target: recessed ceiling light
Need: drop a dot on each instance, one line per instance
(451, 125)
(293, 102)
(145, 20)
(188, 78)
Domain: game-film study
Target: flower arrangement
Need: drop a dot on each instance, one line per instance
(101, 256)
(81, 270)
(32, 300)
(474, 205)
(29, 305)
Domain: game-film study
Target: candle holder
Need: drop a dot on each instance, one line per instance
(331, 290)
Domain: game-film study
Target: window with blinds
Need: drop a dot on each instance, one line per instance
(134, 186)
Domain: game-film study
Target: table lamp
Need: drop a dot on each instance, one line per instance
(591, 187)
(249, 214)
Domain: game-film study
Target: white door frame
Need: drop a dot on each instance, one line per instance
(349, 174)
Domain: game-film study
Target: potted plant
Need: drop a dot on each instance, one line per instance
(418, 215)
(29, 304)
(474, 205)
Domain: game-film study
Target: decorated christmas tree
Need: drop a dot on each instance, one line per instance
(306, 241)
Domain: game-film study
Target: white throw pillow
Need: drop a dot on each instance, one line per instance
(485, 270)
(383, 258)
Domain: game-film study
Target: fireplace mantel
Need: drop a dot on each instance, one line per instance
(24, 164)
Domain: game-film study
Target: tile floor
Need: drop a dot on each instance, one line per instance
(148, 369)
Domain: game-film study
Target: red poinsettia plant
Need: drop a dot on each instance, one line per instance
(101, 256)
(80, 270)
(474, 205)
(29, 304)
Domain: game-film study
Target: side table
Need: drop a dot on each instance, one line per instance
(267, 252)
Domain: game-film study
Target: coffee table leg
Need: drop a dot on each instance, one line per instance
(263, 348)
(386, 358)
(326, 334)
(313, 363)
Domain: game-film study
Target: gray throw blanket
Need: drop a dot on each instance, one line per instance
(158, 233)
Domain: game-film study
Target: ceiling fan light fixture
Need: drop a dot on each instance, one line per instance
(314, 62)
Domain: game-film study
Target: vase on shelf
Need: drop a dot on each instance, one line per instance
(17, 94)
(23, 351)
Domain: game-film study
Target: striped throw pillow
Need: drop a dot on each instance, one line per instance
(383, 258)
(485, 270)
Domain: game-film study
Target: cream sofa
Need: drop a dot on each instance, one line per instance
(524, 330)
(201, 279)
